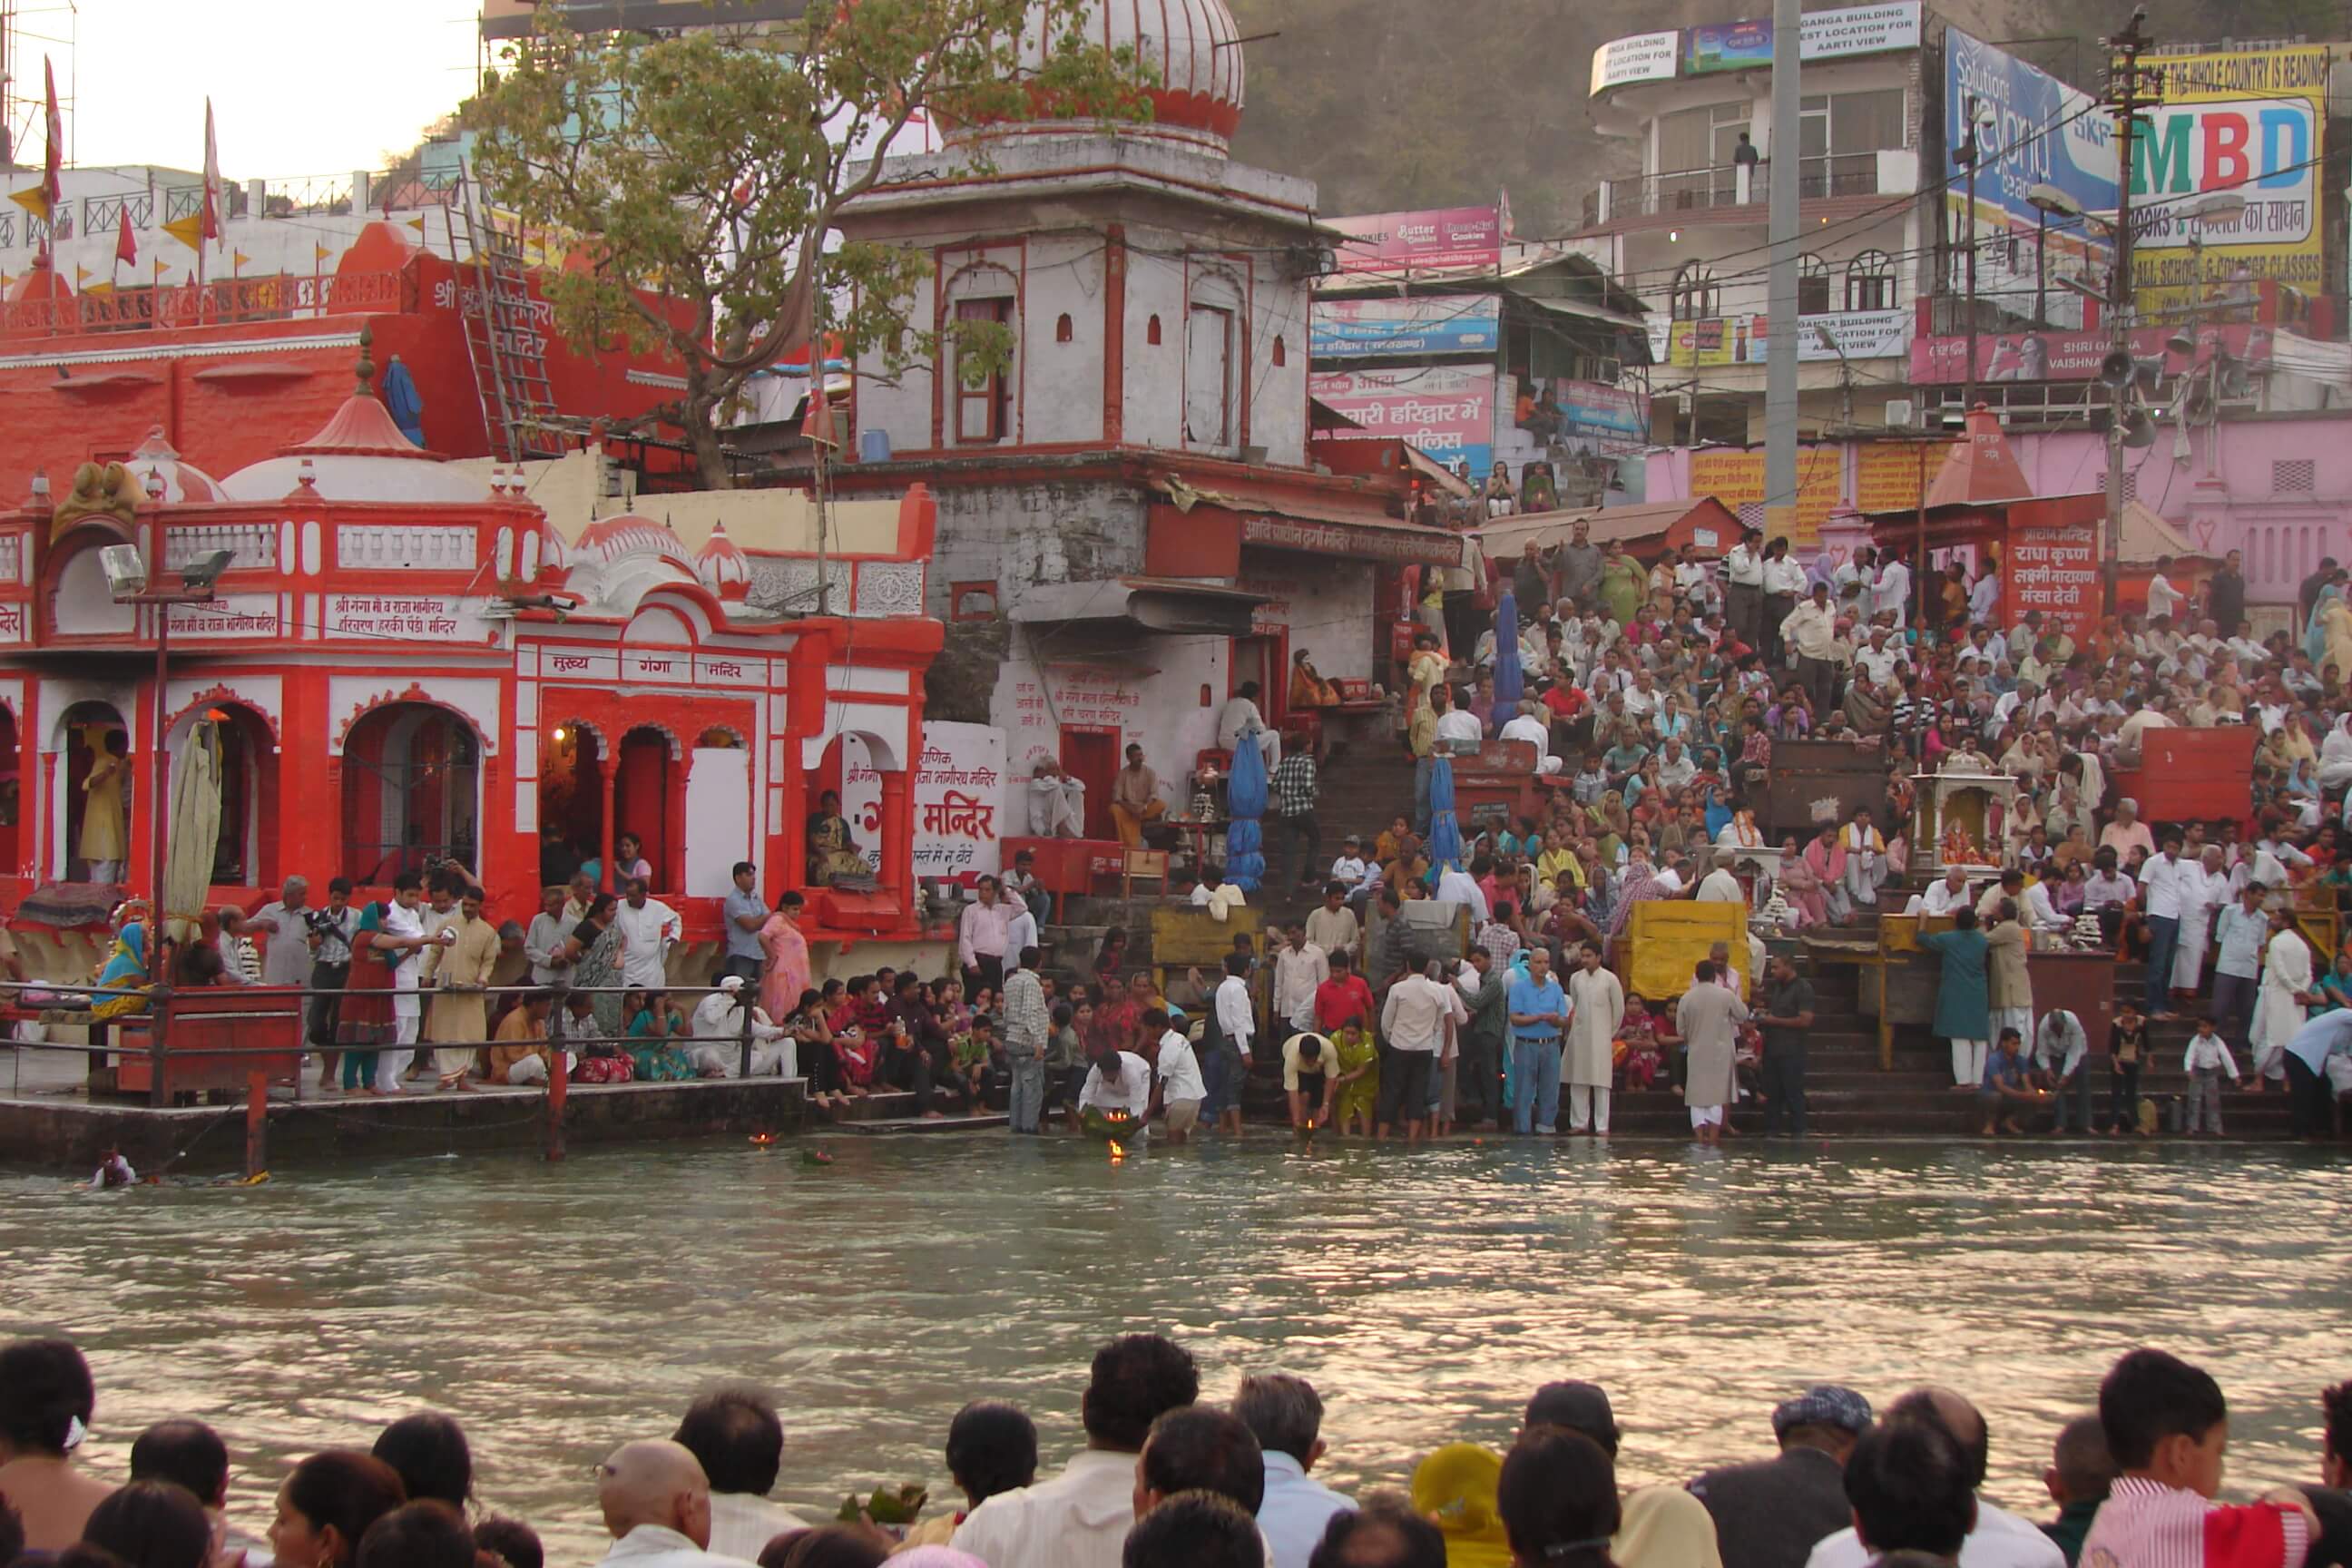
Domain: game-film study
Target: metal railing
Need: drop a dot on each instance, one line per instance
(1701, 190)
(278, 297)
(158, 1052)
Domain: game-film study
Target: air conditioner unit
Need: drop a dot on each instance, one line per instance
(1901, 413)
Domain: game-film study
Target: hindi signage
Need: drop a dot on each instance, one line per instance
(2074, 356)
(1447, 413)
(2054, 570)
(231, 615)
(1431, 324)
(960, 790)
(402, 618)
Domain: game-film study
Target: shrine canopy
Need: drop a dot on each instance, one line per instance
(1981, 509)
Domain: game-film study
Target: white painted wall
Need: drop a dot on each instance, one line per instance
(1325, 605)
(1162, 710)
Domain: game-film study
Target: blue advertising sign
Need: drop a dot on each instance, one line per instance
(1430, 324)
(2042, 131)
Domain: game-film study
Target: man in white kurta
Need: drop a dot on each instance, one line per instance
(1865, 860)
(2204, 889)
(1596, 1005)
(648, 927)
(1709, 1020)
(718, 1032)
(402, 918)
(2279, 1007)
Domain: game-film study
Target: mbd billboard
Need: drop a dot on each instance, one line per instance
(2246, 123)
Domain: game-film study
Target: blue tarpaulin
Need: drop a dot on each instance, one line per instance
(1245, 804)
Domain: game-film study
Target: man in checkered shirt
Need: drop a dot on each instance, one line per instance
(1293, 807)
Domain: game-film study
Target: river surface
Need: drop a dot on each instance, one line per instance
(557, 1310)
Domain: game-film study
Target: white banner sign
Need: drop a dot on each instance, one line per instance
(959, 794)
(1644, 57)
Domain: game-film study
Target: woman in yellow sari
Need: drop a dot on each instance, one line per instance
(1456, 1489)
(1610, 825)
(1360, 1078)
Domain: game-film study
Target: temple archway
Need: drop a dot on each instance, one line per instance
(412, 793)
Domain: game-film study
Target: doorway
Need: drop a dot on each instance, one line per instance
(1091, 756)
(1260, 658)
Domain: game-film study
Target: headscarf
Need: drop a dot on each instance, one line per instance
(2315, 635)
(1457, 1488)
(123, 984)
(1639, 883)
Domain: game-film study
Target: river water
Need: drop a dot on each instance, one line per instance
(557, 1310)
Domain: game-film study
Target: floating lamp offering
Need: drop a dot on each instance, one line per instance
(763, 1140)
(815, 1157)
(1117, 1152)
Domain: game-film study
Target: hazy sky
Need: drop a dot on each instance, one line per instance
(298, 86)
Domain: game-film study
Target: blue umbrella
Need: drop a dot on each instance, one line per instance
(1445, 835)
(1245, 804)
(1509, 681)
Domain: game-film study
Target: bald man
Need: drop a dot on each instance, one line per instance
(657, 1503)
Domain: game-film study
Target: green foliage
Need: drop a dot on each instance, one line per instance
(693, 179)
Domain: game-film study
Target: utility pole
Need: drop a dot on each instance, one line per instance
(1780, 357)
(2131, 88)
(1970, 153)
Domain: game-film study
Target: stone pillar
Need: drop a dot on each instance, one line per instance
(898, 841)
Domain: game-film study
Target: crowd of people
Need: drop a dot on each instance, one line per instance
(1169, 1479)
(1652, 697)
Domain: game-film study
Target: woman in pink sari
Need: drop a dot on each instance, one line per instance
(1802, 887)
(788, 958)
(1824, 857)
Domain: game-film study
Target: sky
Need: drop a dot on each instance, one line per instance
(299, 87)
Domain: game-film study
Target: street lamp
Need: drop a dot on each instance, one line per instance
(1970, 153)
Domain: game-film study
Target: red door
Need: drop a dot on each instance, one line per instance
(1091, 756)
(1260, 658)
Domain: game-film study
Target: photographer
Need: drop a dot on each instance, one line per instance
(329, 942)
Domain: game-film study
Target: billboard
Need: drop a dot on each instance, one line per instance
(1447, 413)
(1614, 419)
(1644, 57)
(1448, 239)
(1829, 335)
(1821, 36)
(2247, 122)
(2073, 356)
(515, 18)
(1435, 324)
(2043, 132)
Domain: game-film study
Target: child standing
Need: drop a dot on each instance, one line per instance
(2167, 1427)
(2208, 1059)
(2126, 1050)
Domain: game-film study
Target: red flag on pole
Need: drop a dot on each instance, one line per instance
(816, 426)
(53, 125)
(126, 244)
(212, 229)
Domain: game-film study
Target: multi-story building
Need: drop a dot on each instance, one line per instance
(1688, 232)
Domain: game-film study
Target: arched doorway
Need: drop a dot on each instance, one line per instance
(571, 793)
(246, 855)
(643, 773)
(98, 802)
(856, 767)
(412, 793)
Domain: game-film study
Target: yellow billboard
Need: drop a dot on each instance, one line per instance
(2243, 123)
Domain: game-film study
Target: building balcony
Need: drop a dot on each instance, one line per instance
(1740, 195)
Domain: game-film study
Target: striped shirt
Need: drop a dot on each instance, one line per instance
(2147, 1524)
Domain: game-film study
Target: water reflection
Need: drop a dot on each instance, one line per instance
(556, 1310)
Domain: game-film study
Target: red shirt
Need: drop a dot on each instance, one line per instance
(1336, 1000)
(1566, 701)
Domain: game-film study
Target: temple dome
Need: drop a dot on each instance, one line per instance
(723, 567)
(1192, 48)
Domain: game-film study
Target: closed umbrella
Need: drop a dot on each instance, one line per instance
(195, 829)
(403, 401)
(1510, 681)
(1245, 804)
(1445, 833)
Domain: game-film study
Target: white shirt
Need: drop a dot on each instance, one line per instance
(657, 1546)
(1236, 1020)
(1296, 1510)
(1941, 899)
(286, 961)
(2040, 912)
(1881, 662)
(1078, 1520)
(1349, 868)
(2058, 1042)
(402, 921)
(2242, 938)
(1532, 730)
(2160, 887)
(645, 936)
(1893, 592)
(1784, 576)
(1721, 886)
(1297, 971)
(1456, 886)
(1418, 1007)
(1459, 727)
(1179, 1069)
(1131, 1093)
(742, 1524)
(1237, 716)
(1020, 932)
(2001, 1539)
(2164, 599)
(1744, 567)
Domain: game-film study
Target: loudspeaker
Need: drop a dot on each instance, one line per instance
(2115, 369)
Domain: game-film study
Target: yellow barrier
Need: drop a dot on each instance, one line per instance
(1667, 937)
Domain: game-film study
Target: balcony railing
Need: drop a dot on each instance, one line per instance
(1702, 190)
(273, 298)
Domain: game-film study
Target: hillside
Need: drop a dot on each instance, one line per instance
(1392, 104)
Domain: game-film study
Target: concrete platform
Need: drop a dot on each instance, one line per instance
(48, 1123)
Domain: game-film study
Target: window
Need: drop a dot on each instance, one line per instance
(1695, 297)
(1062, 329)
(1281, 354)
(1812, 286)
(1152, 332)
(1208, 377)
(1837, 134)
(1695, 155)
(981, 411)
(1870, 282)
